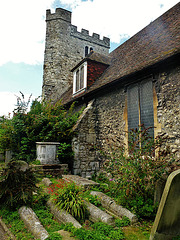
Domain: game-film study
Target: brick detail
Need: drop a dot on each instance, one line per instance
(94, 71)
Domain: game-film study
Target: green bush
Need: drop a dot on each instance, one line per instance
(116, 235)
(69, 198)
(44, 122)
(17, 186)
(134, 175)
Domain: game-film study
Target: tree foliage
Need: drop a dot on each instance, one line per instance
(43, 123)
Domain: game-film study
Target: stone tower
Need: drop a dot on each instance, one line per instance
(64, 48)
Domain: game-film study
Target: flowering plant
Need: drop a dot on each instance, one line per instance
(68, 196)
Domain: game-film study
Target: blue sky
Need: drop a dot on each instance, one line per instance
(22, 24)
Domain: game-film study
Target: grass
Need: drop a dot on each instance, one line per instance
(90, 231)
(138, 232)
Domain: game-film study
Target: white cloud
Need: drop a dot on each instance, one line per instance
(118, 18)
(8, 101)
(22, 22)
(22, 27)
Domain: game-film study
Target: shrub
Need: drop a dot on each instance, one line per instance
(17, 186)
(69, 198)
(44, 122)
(133, 177)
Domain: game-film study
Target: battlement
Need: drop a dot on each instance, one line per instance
(95, 38)
(60, 13)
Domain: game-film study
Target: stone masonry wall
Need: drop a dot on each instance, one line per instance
(111, 112)
(168, 109)
(110, 122)
(64, 48)
(84, 144)
(104, 122)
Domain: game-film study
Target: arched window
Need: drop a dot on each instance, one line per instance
(86, 50)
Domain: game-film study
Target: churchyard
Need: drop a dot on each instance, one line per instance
(118, 202)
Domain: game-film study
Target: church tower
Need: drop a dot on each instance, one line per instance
(64, 48)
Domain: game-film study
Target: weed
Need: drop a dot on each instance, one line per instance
(99, 231)
(122, 222)
(134, 176)
(54, 236)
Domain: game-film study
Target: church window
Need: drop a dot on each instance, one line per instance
(140, 106)
(87, 50)
(80, 78)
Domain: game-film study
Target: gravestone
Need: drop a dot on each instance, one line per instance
(167, 222)
(47, 152)
(8, 156)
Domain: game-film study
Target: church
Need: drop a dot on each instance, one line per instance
(137, 83)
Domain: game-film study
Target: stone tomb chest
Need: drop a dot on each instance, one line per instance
(47, 152)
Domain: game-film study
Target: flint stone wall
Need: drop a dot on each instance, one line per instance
(104, 122)
(84, 142)
(168, 108)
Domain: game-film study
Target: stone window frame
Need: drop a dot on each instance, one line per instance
(140, 88)
(157, 124)
(87, 50)
(82, 85)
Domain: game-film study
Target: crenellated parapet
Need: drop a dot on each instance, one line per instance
(65, 15)
(95, 38)
(64, 48)
(60, 13)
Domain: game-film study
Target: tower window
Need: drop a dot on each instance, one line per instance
(87, 50)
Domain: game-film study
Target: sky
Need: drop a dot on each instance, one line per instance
(22, 41)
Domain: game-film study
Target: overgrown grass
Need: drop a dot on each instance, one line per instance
(17, 227)
(15, 224)
(90, 231)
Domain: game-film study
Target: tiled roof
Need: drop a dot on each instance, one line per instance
(156, 42)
